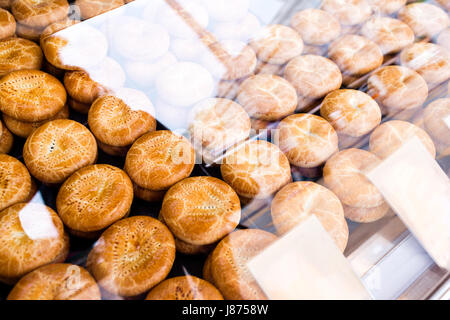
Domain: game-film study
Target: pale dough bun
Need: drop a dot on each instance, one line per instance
(175, 23)
(366, 215)
(344, 174)
(351, 112)
(430, 60)
(297, 201)
(217, 124)
(425, 19)
(267, 97)
(165, 112)
(256, 169)
(31, 95)
(277, 44)
(131, 268)
(24, 129)
(397, 87)
(7, 24)
(436, 120)
(57, 149)
(92, 8)
(40, 13)
(316, 27)
(307, 140)
(184, 84)
(139, 40)
(391, 35)
(187, 49)
(229, 264)
(76, 48)
(118, 121)
(348, 12)
(58, 281)
(313, 76)
(201, 210)
(84, 207)
(227, 10)
(386, 6)
(184, 288)
(391, 135)
(241, 30)
(444, 39)
(15, 181)
(26, 244)
(159, 159)
(108, 73)
(19, 54)
(230, 60)
(144, 74)
(355, 55)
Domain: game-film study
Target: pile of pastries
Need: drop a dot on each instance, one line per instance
(292, 114)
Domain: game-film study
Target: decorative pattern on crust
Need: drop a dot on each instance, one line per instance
(159, 159)
(92, 8)
(57, 149)
(31, 95)
(94, 197)
(18, 54)
(132, 256)
(7, 24)
(297, 201)
(229, 264)
(15, 181)
(39, 13)
(56, 282)
(184, 288)
(307, 140)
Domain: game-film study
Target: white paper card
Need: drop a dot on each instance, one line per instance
(306, 264)
(419, 191)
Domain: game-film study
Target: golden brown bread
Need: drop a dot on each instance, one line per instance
(184, 288)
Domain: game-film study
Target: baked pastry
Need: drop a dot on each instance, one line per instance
(159, 159)
(39, 14)
(430, 60)
(316, 27)
(297, 201)
(184, 288)
(277, 44)
(15, 181)
(31, 95)
(5, 4)
(256, 169)
(206, 271)
(216, 124)
(230, 60)
(54, 28)
(349, 12)
(344, 175)
(267, 97)
(7, 24)
(57, 149)
(355, 55)
(94, 197)
(425, 19)
(366, 215)
(436, 119)
(132, 256)
(91, 8)
(120, 119)
(184, 84)
(351, 112)
(77, 106)
(27, 245)
(82, 88)
(307, 140)
(24, 129)
(397, 87)
(61, 281)
(19, 54)
(147, 194)
(229, 264)
(391, 35)
(391, 135)
(6, 140)
(29, 33)
(386, 6)
(444, 38)
(201, 210)
(313, 76)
